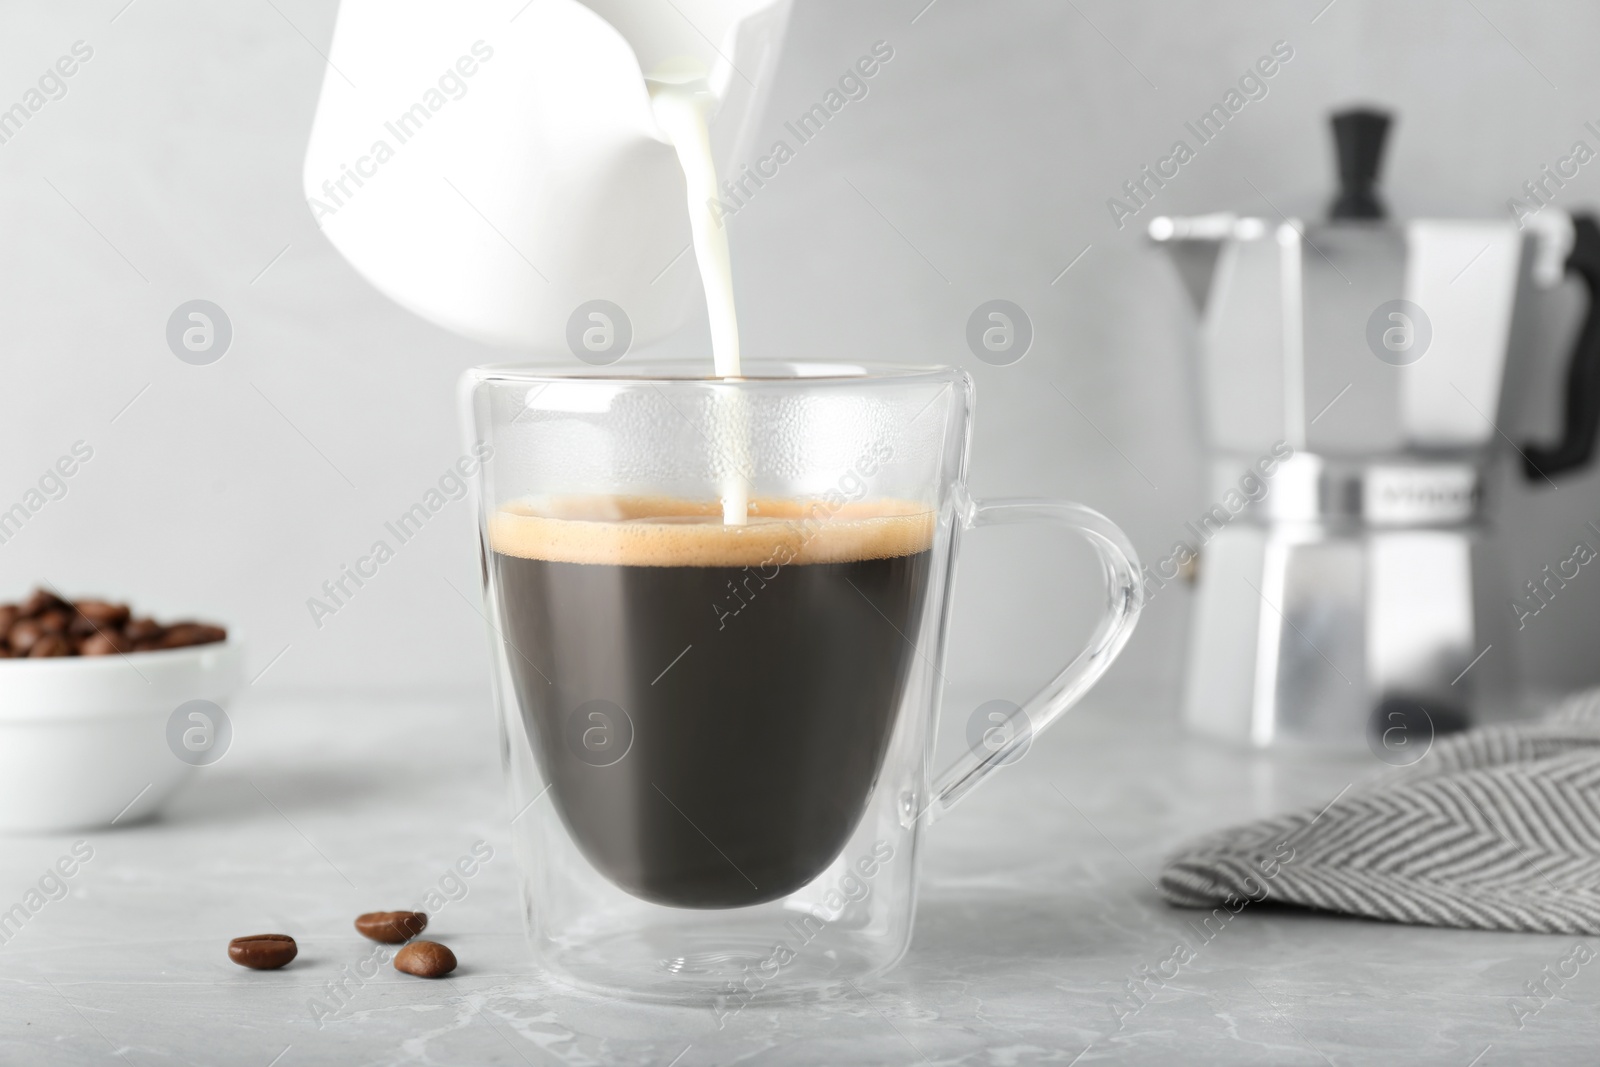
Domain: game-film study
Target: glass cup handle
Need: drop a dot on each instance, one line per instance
(1124, 597)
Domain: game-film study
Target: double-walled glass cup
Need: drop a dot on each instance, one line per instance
(718, 611)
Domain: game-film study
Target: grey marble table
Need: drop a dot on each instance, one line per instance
(1037, 913)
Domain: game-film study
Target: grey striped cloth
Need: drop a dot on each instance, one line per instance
(1497, 828)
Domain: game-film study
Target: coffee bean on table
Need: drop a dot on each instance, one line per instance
(425, 959)
(8, 617)
(391, 927)
(262, 952)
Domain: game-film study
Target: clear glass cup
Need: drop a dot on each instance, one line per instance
(718, 739)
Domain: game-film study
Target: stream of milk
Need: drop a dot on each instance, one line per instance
(682, 99)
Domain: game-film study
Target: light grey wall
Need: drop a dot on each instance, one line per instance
(978, 167)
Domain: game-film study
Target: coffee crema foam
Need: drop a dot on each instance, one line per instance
(667, 532)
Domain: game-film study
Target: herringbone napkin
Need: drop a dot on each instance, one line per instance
(1495, 829)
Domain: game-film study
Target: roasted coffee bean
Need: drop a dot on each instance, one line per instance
(97, 616)
(425, 959)
(91, 627)
(53, 620)
(184, 634)
(41, 600)
(391, 927)
(102, 613)
(104, 643)
(262, 952)
(23, 635)
(50, 645)
(179, 636)
(143, 630)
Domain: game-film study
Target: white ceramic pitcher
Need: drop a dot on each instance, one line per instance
(492, 169)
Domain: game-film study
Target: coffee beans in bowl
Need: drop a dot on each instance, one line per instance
(425, 959)
(98, 721)
(262, 952)
(46, 626)
(391, 927)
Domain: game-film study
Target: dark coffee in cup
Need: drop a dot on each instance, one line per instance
(710, 704)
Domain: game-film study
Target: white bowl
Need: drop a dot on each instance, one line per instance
(84, 739)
